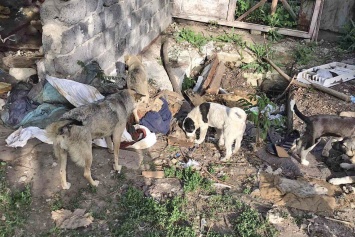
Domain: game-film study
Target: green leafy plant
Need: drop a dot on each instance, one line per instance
(281, 17)
(195, 39)
(188, 83)
(14, 206)
(303, 53)
(273, 35)
(347, 41)
(259, 51)
(138, 214)
(259, 115)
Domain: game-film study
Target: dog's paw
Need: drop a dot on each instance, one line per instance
(305, 162)
(66, 186)
(198, 142)
(347, 166)
(95, 183)
(117, 168)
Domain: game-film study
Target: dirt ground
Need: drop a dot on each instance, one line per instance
(35, 165)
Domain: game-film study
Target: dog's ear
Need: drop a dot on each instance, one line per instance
(140, 57)
(126, 58)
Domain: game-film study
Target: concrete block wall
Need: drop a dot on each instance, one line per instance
(101, 30)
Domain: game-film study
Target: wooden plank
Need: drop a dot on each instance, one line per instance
(210, 74)
(315, 33)
(314, 17)
(217, 79)
(259, 4)
(231, 10)
(289, 9)
(246, 25)
(273, 6)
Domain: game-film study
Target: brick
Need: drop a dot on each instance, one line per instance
(95, 46)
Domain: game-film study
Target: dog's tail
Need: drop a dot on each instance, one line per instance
(298, 113)
(61, 127)
(240, 113)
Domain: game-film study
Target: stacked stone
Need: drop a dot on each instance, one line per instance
(101, 30)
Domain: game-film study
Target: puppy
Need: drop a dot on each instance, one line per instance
(346, 146)
(73, 134)
(137, 79)
(229, 122)
(318, 126)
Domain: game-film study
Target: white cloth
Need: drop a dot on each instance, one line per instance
(20, 137)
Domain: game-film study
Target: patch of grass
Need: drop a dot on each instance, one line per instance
(57, 203)
(230, 38)
(304, 53)
(347, 42)
(14, 206)
(260, 51)
(192, 180)
(195, 39)
(188, 83)
(141, 216)
(274, 35)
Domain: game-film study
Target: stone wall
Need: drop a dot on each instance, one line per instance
(337, 13)
(101, 30)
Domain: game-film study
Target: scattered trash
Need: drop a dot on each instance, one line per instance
(328, 74)
(158, 122)
(65, 219)
(191, 163)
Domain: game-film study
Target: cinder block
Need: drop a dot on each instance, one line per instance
(48, 12)
(133, 36)
(107, 58)
(92, 6)
(66, 65)
(112, 15)
(95, 46)
(52, 37)
(71, 38)
(147, 12)
(71, 12)
(109, 36)
(92, 26)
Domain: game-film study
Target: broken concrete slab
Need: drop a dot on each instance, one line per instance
(319, 200)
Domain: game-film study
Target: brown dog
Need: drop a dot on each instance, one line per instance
(74, 133)
(137, 79)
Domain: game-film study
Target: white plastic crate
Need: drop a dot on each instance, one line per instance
(328, 74)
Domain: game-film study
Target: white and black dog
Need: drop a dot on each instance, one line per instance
(229, 122)
(322, 125)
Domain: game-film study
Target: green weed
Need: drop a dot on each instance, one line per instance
(259, 51)
(138, 214)
(188, 83)
(14, 206)
(347, 41)
(195, 39)
(259, 115)
(274, 36)
(281, 17)
(303, 53)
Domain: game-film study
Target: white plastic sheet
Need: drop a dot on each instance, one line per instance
(75, 92)
(20, 137)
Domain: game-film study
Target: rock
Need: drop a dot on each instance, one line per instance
(165, 187)
(130, 159)
(253, 78)
(22, 74)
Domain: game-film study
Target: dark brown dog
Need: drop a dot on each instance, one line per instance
(73, 134)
